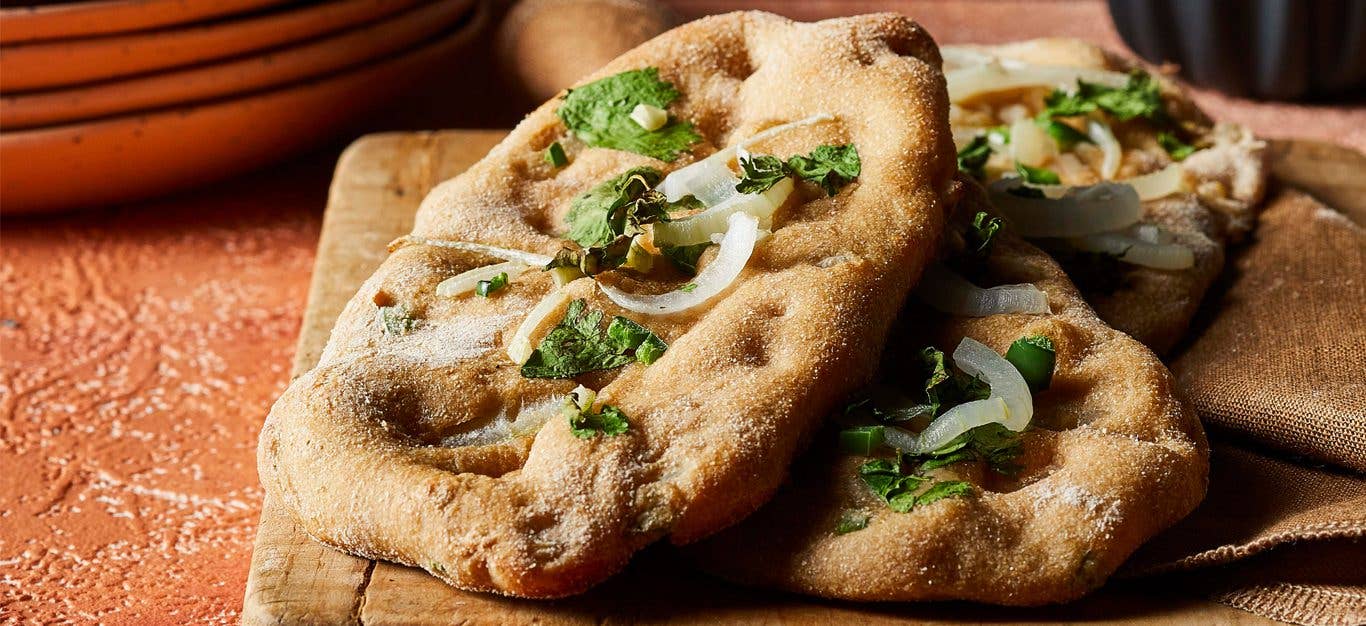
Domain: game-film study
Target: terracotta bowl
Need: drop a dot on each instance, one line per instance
(234, 77)
(69, 62)
(138, 156)
(70, 20)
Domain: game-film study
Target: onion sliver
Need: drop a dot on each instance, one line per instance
(1079, 211)
(519, 347)
(1100, 133)
(1030, 144)
(1138, 250)
(969, 82)
(1009, 404)
(507, 254)
(950, 293)
(954, 422)
(466, 281)
(736, 248)
(699, 228)
(1159, 184)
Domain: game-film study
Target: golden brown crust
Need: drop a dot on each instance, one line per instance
(405, 448)
(1115, 457)
(1229, 174)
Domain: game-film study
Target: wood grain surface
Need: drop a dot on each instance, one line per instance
(379, 182)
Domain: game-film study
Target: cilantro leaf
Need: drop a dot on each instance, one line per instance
(684, 257)
(585, 423)
(1065, 135)
(579, 344)
(851, 520)
(1178, 149)
(608, 210)
(831, 167)
(1139, 97)
(1037, 175)
(944, 489)
(486, 287)
(395, 320)
(599, 113)
(761, 173)
(973, 157)
(885, 479)
(982, 233)
(945, 389)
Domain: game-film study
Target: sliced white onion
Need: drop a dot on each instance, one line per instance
(950, 293)
(1159, 184)
(994, 75)
(1079, 211)
(1139, 247)
(466, 281)
(1030, 144)
(507, 254)
(1009, 404)
(519, 347)
(711, 179)
(954, 422)
(963, 56)
(736, 248)
(1100, 133)
(699, 228)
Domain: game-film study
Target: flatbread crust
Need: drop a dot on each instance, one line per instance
(406, 448)
(1113, 456)
(1156, 306)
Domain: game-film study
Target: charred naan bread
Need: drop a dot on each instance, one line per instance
(1111, 457)
(1021, 103)
(418, 440)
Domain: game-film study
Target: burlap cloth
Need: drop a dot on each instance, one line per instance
(1276, 371)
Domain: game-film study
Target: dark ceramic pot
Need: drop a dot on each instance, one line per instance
(1281, 49)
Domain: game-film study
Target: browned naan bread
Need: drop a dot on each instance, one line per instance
(1113, 456)
(1228, 179)
(423, 448)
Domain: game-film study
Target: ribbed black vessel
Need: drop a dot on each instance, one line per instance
(1279, 49)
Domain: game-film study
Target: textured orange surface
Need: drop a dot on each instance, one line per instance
(141, 347)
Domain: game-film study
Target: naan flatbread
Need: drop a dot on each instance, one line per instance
(1112, 456)
(425, 445)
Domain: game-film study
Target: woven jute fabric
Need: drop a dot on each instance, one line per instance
(1276, 373)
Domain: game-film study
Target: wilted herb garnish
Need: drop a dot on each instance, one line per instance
(396, 321)
(684, 257)
(973, 157)
(1065, 135)
(1037, 175)
(899, 486)
(1139, 97)
(1035, 358)
(604, 221)
(599, 113)
(586, 423)
(831, 167)
(554, 155)
(1178, 149)
(486, 287)
(579, 344)
(981, 233)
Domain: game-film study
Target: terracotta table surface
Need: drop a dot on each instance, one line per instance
(140, 348)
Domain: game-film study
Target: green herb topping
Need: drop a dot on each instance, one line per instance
(615, 208)
(831, 167)
(586, 423)
(850, 521)
(973, 157)
(981, 234)
(579, 344)
(599, 113)
(901, 489)
(1037, 175)
(396, 321)
(1178, 149)
(1035, 357)
(1065, 135)
(486, 287)
(684, 258)
(1139, 97)
(554, 155)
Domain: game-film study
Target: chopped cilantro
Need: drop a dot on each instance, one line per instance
(1065, 135)
(554, 155)
(1035, 357)
(586, 423)
(1037, 175)
(973, 157)
(579, 344)
(886, 479)
(850, 521)
(1139, 97)
(944, 489)
(616, 207)
(684, 257)
(945, 389)
(486, 287)
(599, 113)
(1178, 149)
(982, 233)
(396, 321)
(831, 167)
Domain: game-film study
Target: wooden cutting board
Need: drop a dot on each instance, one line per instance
(379, 182)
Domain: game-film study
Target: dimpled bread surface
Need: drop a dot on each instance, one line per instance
(424, 449)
